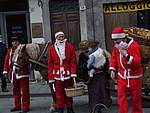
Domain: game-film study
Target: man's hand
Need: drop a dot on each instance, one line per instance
(5, 75)
(123, 52)
(112, 74)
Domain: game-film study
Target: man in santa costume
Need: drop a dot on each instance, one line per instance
(126, 59)
(62, 68)
(20, 80)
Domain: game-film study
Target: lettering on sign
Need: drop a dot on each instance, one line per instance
(126, 7)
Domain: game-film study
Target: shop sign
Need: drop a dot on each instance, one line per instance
(126, 7)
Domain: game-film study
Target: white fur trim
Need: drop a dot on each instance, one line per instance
(118, 36)
(60, 49)
(4, 72)
(51, 81)
(112, 68)
(130, 60)
(65, 78)
(10, 56)
(128, 77)
(59, 34)
(21, 76)
(73, 75)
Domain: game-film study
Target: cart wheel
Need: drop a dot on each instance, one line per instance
(147, 91)
(100, 108)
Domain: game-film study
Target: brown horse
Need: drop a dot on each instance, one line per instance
(36, 54)
(32, 53)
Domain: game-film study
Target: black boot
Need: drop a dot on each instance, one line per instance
(70, 110)
(15, 109)
(60, 110)
(53, 108)
(4, 84)
(24, 111)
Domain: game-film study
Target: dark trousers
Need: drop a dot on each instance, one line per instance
(4, 83)
(97, 90)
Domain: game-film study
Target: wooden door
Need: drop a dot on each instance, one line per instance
(66, 19)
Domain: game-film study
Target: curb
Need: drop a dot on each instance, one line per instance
(31, 95)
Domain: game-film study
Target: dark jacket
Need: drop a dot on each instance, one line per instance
(3, 51)
(82, 70)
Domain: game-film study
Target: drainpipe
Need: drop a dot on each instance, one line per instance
(93, 20)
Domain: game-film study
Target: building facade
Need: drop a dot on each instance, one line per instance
(38, 20)
(91, 20)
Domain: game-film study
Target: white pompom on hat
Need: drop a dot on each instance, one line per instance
(118, 33)
(60, 33)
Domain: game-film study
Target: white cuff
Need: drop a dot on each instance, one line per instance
(126, 55)
(130, 60)
(51, 81)
(73, 75)
(112, 68)
(4, 72)
(91, 76)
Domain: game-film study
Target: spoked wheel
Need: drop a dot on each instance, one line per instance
(100, 108)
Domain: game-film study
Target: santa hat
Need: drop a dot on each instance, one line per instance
(117, 33)
(60, 33)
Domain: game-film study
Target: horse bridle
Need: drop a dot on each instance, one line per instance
(17, 66)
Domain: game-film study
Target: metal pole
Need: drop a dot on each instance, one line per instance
(93, 20)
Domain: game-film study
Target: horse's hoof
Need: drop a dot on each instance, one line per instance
(52, 109)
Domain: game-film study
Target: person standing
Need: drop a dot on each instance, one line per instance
(20, 80)
(98, 77)
(3, 51)
(126, 58)
(62, 68)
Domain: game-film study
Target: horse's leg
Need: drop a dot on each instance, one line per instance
(53, 105)
(52, 92)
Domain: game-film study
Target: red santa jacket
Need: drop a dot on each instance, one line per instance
(66, 69)
(8, 67)
(127, 69)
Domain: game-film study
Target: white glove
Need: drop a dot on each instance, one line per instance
(112, 74)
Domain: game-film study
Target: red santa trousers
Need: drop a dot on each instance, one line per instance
(135, 93)
(18, 85)
(61, 98)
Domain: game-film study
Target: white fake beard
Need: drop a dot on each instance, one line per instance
(61, 45)
(122, 45)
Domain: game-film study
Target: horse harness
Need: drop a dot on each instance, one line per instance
(37, 62)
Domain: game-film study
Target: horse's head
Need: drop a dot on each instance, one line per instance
(20, 57)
